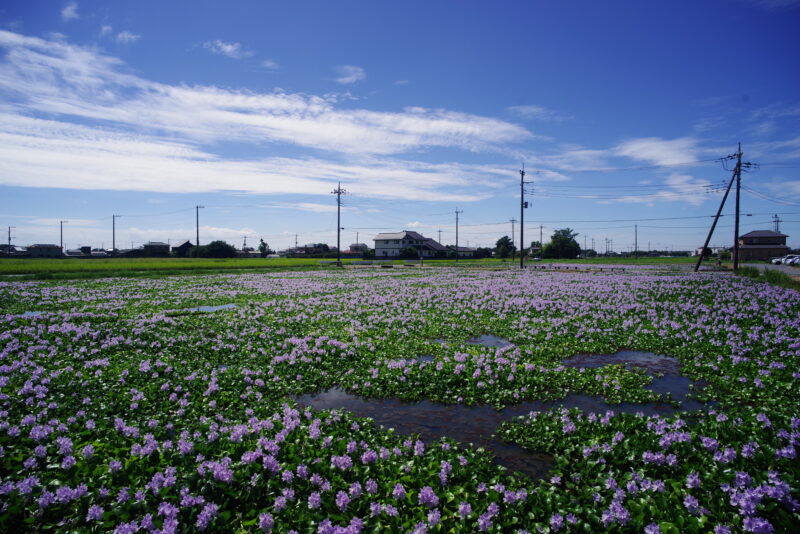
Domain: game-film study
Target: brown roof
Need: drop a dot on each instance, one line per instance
(763, 233)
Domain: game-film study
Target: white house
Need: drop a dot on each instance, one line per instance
(389, 245)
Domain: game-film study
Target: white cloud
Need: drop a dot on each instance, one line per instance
(105, 30)
(69, 11)
(350, 74)
(126, 37)
(657, 151)
(43, 153)
(270, 64)
(532, 112)
(232, 50)
(57, 79)
(679, 188)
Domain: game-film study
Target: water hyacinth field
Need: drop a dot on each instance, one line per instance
(650, 402)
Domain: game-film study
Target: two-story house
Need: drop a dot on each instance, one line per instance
(762, 245)
(389, 245)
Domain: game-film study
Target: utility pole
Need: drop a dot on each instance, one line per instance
(541, 243)
(61, 224)
(777, 220)
(338, 192)
(736, 222)
(440, 236)
(356, 238)
(522, 206)
(512, 221)
(636, 241)
(716, 218)
(114, 234)
(738, 172)
(295, 241)
(457, 212)
(593, 246)
(8, 251)
(197, 222)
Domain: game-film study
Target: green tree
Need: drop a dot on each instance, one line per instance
(562, 245)
(503, 248)
(264, 249)
(215, 249)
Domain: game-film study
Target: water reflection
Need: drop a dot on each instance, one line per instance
(209, 309)
(666, 369)
(432, 421)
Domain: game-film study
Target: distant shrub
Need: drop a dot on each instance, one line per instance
(749, 272)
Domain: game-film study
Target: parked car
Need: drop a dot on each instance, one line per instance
(793, 261)
(789, 258)
(776, 261)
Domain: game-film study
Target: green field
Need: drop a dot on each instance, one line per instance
(92, 268)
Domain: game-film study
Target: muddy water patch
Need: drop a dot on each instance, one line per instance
(210, 309)
(654, 364)
(666, 370)
(432, 421)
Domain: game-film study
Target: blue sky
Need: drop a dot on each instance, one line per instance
(256, 110)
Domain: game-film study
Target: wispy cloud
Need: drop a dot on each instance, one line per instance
(657, 151)
(232, 50)
(57, 79)
(541, 113)
(270, 64)
(350, 74)
(127, 37)
(69, 11)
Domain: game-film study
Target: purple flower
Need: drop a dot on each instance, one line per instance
(556, 522)
(464, 509)
(693, 480)
(691, 504)
(652, 528)
(314, 500)
(342, 500)
(265, 522)
(208, 513)
(399, 492)
(95, 513)
(758, 525)
(427, 497)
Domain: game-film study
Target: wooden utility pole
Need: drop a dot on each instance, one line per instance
(197, 223)
(61, 225)
(716, 218)
(636, 241)
(522, 206)
(738, 173)
(338, 192)
(457, 212)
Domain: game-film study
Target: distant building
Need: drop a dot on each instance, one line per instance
(389, 245)
(762, 245)
(155, 249)
(463, 252)
(183, 249)
(714, 250)
(358, 248)
(44, 251)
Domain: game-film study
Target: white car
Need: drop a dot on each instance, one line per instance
(793, 261)
(776, 261)
(789, 258)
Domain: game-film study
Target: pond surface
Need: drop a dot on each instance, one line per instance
(31, 313)
(476, 424)
(209, 309)
(666, 369)
(432, 421)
